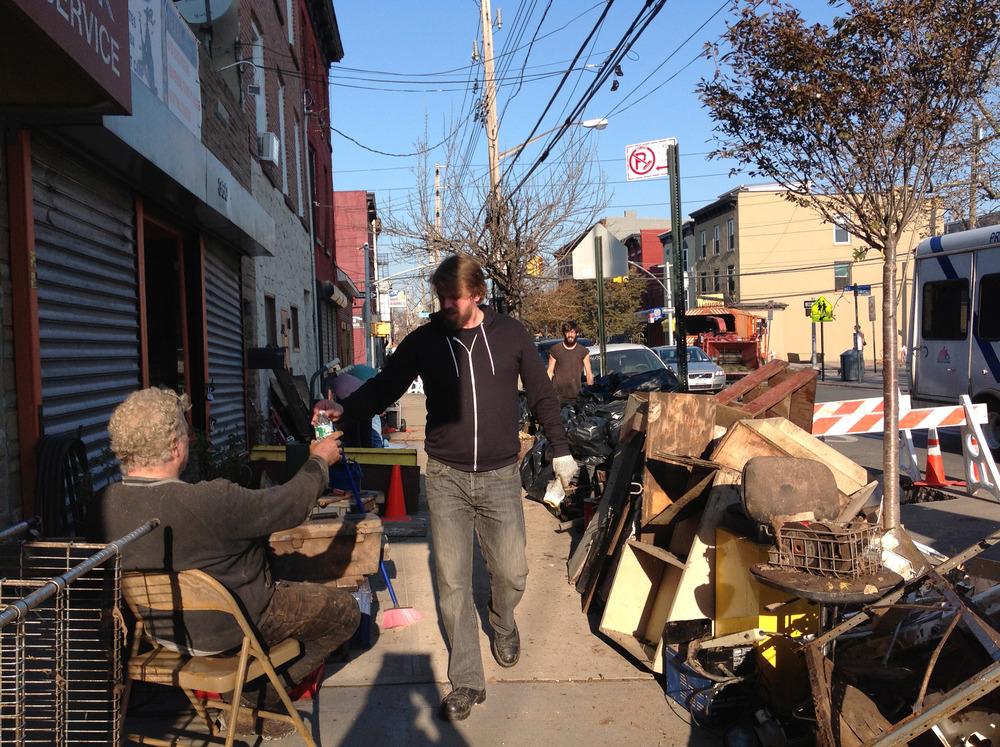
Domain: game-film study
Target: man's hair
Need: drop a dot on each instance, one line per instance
(144, 427)
(570, 325)
(457, 276)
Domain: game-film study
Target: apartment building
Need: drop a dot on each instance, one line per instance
(755, 250)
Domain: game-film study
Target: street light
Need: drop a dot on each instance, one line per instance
(666, 297)
(598, 123)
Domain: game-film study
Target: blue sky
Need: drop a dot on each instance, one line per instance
(407, 69)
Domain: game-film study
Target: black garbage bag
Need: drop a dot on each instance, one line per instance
(534, 462)
(614, 413)
(651, 381)
(589, 437)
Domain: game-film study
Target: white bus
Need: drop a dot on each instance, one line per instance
(955, 323)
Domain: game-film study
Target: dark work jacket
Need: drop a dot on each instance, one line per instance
(470, 378)
(215, 526)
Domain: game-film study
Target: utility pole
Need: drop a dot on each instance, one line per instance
(494, 202)
(974, 175)
(490, 98)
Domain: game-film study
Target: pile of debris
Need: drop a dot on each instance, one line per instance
(744, 560)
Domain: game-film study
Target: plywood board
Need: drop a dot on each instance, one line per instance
(779, 437)
(680, 423)
(695, 597)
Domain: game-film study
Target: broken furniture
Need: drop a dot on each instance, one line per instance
(774, 390)
(156, 600)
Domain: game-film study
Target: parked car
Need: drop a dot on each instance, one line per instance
(544, 345)
(704, 374)
(625, 359)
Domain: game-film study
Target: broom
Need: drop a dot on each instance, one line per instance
(397, 617)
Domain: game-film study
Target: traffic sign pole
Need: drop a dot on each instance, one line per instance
(676, 223)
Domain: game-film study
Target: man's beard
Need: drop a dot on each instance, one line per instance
(459, 319)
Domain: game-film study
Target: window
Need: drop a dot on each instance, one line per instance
(731, 226)
(944, 313)
(715, 280)
(716, 244)
(988, 313)
(704, 282)
(289, 21)
(731, 280)
(271, 321)
(840, 235)
(841, 275)
(295, 327)
(704, 245)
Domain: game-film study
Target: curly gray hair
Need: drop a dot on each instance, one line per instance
(144, 427)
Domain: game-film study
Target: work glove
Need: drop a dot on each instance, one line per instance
(565, 468)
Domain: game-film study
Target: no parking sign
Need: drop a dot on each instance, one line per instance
(647, 160)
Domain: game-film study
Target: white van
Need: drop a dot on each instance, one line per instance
(955, 323)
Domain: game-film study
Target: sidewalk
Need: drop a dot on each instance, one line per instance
(571, 686)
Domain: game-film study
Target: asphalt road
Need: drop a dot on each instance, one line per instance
(951, 524)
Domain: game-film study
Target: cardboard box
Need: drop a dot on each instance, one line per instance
(323, 549)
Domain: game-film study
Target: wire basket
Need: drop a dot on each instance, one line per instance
(827, 549)
(60, 661)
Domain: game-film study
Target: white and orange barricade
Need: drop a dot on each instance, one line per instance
(857, 417)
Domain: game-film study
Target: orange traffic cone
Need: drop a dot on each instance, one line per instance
(934, 474)
(395, 506)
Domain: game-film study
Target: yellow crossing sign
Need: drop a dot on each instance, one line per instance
(821, 311)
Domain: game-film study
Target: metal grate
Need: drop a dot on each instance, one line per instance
(827, 549)
(61, 636)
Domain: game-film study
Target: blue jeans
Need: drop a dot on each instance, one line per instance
(488, 503)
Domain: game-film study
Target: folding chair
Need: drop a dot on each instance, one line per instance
(196, 590)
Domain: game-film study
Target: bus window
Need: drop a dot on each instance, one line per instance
(945, 312)
(988, 313)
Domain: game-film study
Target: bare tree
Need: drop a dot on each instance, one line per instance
(541, 216)
(852, 119)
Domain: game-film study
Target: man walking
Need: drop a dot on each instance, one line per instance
(470, 359)
(568, 362)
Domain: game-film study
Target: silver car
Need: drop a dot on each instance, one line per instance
(624, 359)
(704, 375)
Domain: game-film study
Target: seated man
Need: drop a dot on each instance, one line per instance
(222, 529)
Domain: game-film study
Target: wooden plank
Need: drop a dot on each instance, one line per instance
(680, 423)
(695, 597)
(693, 493)
(654, 497)
(851, 476)
(613, 502)
(737, 389)
(779, 437)
(791, 395)
(635, 417)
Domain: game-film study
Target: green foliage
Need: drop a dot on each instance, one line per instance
(577, 299)
(854, 112)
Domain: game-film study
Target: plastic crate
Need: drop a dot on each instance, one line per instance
(710, 702)
(827, 549)
(363, 596)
